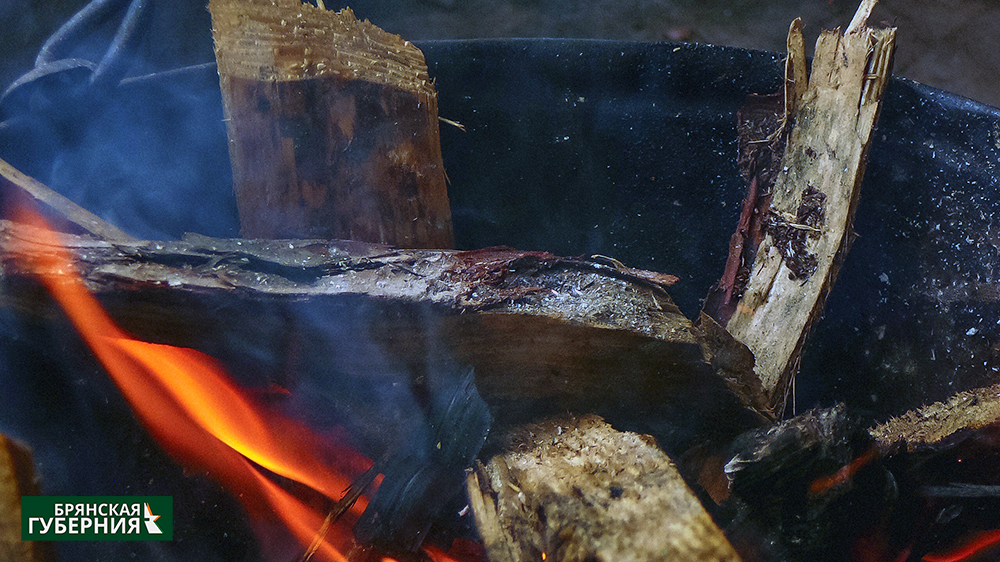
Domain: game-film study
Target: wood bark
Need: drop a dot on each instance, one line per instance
(574, 489)
(333, 127)
(807, 221)
(937, 423)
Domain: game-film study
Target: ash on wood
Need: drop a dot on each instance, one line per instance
(575, 489)
(333, 126)
(807, 221)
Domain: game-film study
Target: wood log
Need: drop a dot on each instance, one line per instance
(333, 126)
(936, 424)
(17, 478)
(544, 334)
(574, 489)
(809, 212)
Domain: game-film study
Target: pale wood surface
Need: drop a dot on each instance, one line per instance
(575, 489)
(813, 200)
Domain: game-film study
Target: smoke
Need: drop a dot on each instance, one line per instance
(105, 118)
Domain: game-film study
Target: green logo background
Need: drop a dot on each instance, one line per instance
(41, 522)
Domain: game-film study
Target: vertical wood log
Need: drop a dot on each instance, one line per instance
(332, 124)
(808, 224)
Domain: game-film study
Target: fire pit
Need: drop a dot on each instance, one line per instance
(578, 148)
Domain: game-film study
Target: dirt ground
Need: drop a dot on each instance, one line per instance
(949, 44)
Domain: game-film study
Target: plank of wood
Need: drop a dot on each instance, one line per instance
(808, 224)
(576, 489)
(332, 124)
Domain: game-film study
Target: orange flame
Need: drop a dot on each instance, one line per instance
(205, 420)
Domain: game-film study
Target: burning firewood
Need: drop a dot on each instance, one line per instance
(331, 320)
(543, 333)
(575, 489)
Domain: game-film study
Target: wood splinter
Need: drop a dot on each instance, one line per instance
(17, 479)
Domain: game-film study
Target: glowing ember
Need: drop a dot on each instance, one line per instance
(208, 422)
(977, 543)
(822, 484)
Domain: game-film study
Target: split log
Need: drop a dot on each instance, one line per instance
(544, 334)
(806, 217)
(333, 126)
(17, 478)
(575, 489)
